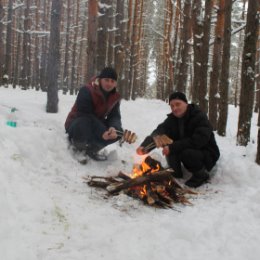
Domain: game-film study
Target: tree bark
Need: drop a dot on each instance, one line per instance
(25, 73)
(197, 48)
(102, 35)
(111, 35)
(1, 42)
(74, 51)
(36, 66)
(248, 74)
(134, 49)
(216, 66)
(258, 147)
(65, 81)
(203, 102)
(43, 62)
(8, 48)
(186, 34)
(120, 45)
(92, 39)
(224, 82)
(54, 58)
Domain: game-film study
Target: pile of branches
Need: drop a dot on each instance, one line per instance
(158, 189)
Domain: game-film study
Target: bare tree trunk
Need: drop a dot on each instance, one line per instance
(168, 76)
(36, 67)
(248, 74)
(258, 147)
(74, 52)
(54, 58)
(8, 49)
(203, 102)
(175, 50)
(239, 58)
(186, 34)
(111, 34)
(25, 73)
(224, 82)
(257, 72)
(92, 38)
(127, 82)
(138, 60)
(18, 57)
(1, 42)
(65, 84)
(216, 66)
(134, 48)
(82, 57)
(197, 48)
(120, 45)
(102, 35)
(43, 63)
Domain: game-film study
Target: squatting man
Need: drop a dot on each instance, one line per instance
(193, 143)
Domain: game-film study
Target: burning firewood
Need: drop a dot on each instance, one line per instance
(150, 183)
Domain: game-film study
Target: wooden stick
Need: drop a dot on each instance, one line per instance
(158, 176)
(123, 175)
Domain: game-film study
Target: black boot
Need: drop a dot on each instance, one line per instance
(175, 164)
(95, 155)
(198, 178)
(92, 152)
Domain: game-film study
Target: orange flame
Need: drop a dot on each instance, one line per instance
(139, 170)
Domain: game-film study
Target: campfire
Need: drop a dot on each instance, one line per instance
(149, 182)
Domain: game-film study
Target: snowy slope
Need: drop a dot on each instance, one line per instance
(48, 212)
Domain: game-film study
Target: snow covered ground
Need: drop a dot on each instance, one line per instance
(47, 211)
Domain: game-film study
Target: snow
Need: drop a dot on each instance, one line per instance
(48, 212)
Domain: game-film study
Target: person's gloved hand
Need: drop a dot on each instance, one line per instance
(129, 137)
(162, 140)
(110, 134)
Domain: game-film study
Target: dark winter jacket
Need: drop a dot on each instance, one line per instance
(193, 131)
(91, 100)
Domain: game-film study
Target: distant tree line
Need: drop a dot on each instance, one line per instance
(208, 49)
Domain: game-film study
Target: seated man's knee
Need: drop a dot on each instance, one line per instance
(192, 159)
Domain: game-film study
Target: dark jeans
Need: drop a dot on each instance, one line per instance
(84, 133)
(192, 160)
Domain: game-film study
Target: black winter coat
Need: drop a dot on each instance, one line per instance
(193, 131)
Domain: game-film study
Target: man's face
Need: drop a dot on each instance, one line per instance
(178, 107)
(107, 84)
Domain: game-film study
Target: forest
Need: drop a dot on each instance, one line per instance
(208, 49)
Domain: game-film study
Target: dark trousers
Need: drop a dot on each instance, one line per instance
(84, 133)
(192, 159)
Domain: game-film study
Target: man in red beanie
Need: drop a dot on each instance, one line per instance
(193, 144)
(95, 117)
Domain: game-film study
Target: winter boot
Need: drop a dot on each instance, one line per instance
(92, 152)
(96, 156)
(175, 164)
(197, 179)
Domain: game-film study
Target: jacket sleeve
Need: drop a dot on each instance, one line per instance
(114, 118)
(84, 102)
(200, 137)
(85, 107)
(161, 129)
